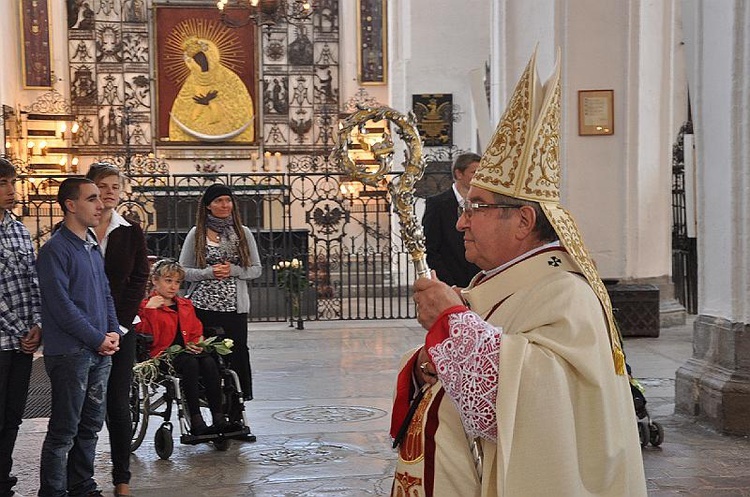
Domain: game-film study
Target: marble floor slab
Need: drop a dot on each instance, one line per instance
(321, 415)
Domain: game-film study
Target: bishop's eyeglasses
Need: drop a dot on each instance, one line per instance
(469, 208)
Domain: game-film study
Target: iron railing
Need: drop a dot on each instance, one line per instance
(350, 245)
(684, 248)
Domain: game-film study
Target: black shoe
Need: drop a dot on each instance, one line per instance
(199, 429)
(95, 493)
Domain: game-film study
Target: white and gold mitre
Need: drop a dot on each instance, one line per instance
(522, 161)
(522, 158)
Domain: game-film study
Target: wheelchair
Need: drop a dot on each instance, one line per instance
(162, 396)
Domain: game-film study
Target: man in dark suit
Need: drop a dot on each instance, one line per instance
(444, 243)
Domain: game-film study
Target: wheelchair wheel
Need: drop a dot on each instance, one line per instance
(139, 405)
(656, 434)
(222, 444)
(163, 442)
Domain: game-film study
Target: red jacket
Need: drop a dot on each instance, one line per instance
(161, 323)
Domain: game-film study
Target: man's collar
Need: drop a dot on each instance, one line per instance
(7, 217)
(459, 198)
(521, 257)
(117, 221)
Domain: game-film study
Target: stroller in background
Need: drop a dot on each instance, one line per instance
(648, 430)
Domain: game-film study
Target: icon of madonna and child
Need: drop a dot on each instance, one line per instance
(213, 103)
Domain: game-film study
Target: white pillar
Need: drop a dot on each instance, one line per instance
(714, 383)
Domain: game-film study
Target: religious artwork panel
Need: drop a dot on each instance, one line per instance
(81, 51)
(300, 83)
(434, 113)
(301, 92)
(205, 78)
(82, 86)
(372, 38)
(111, 131)
(134, 11)
(277, 135)
(135, 47)
(137, 92)
(300, 50)
(108, 43)
(326, 87)
(110, 89)
(326, 17)
(139, 129)
(275, 94)
(80, 15)
(35, 50)
(107, 10)
(326, 53)
(275, 51)
(88, 131)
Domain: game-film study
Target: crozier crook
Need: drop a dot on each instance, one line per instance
(401, 187)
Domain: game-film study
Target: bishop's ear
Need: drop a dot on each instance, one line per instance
(526, 221)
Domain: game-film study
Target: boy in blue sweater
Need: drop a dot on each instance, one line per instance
(81, 332)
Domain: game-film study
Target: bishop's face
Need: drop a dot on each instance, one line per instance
(489, 233)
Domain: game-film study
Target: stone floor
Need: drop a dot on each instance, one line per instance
(321, 415)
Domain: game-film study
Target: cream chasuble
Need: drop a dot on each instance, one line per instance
(566, 421)
(566, 425)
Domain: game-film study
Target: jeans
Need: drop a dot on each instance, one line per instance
(15, 371)
(118, 408)
(79, 390)
(235, 327)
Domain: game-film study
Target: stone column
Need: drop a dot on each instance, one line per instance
(714, 385)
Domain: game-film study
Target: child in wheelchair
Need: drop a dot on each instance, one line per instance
(171, 320)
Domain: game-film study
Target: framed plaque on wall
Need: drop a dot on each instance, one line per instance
(596, 113)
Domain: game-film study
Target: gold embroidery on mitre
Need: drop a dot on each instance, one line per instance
(570, 238)
(411, 449)
(499, 166)
(543, 174)
(522, 158)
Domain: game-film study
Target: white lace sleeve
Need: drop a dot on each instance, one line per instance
(467, 365)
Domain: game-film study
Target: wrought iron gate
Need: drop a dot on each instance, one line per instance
(684, 247)
(348, 242)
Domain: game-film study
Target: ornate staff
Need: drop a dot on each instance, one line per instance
(401, 187)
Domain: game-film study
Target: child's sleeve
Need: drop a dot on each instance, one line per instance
(147, 315)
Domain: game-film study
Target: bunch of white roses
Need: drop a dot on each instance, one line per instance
(148, 371)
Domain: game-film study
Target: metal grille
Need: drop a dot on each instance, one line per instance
(684, 248)
(40, 392)
(350, 244)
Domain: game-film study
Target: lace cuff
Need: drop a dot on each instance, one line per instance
(467, 364)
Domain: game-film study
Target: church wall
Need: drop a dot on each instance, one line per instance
(617, 186)
(10, 56)
(12, 92)
(440, 43)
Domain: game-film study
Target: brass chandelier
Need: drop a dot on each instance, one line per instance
(237, 13)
